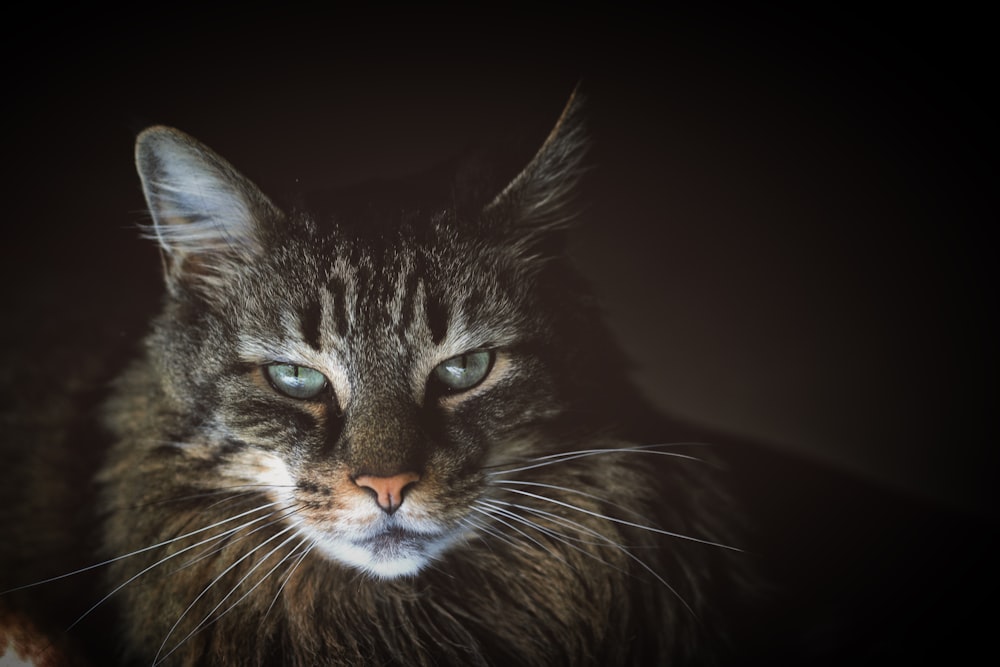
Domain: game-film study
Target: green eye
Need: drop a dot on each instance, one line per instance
(464, 371)
(295, 381)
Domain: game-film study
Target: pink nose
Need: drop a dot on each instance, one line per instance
(388, 490)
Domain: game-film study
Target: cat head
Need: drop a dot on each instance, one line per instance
(367, 366)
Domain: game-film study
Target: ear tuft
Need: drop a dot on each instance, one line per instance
(539, 200)
(206, 216)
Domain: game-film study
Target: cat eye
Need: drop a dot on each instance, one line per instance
(464, 371)
(295, 381)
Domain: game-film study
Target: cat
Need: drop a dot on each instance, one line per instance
(387, 430)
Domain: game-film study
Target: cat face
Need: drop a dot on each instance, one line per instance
(364, 379)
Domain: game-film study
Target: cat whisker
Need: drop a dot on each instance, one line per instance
(163, 560)
(580, 527)
(284, 559)
(229, 541)
(227, 490)
(623, 549)
(494, 513)
(165, 501)
(230, 499)
(137, 551)
(560, 537)
(567, 539)
(476, 527)
(157, 659)
(288, 575)
(567, 489)
(604, 516)
(562, 457)
(482, 527)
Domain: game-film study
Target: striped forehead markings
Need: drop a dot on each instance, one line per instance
(311, 319)
(410, 286)
(338, 293)
(437, 318)
(392, 301)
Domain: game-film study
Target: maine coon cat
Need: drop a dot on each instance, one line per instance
(392, 429)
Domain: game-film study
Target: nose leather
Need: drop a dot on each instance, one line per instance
(388, 490)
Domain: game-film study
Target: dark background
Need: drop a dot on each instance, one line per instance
(788, 217)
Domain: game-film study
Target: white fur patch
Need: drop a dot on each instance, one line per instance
(383, 546)
(262, 468)
(386, 557)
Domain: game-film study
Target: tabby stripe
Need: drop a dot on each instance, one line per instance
(311, 320)
(406, 316)
(437, 318)
(339, 292)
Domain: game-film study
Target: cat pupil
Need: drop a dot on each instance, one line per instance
(296, 381)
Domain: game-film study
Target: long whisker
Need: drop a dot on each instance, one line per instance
(567, 489)
(481, 526)
(284, 559)
(493, 514)
(477, 527)
(623, 549)
(164, 560)
(218, 491)
(609, 518)
(288, 575)
(139, 551)
(581, 540)
(560, 537)
(233, 498)
(280, 517)
(157, 659)
(562, 457)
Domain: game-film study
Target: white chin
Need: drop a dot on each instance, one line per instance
(384, 563)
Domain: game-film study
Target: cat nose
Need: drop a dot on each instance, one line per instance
(388, 490)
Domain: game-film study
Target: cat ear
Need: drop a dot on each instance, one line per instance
(538, 202)
(207, 217)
